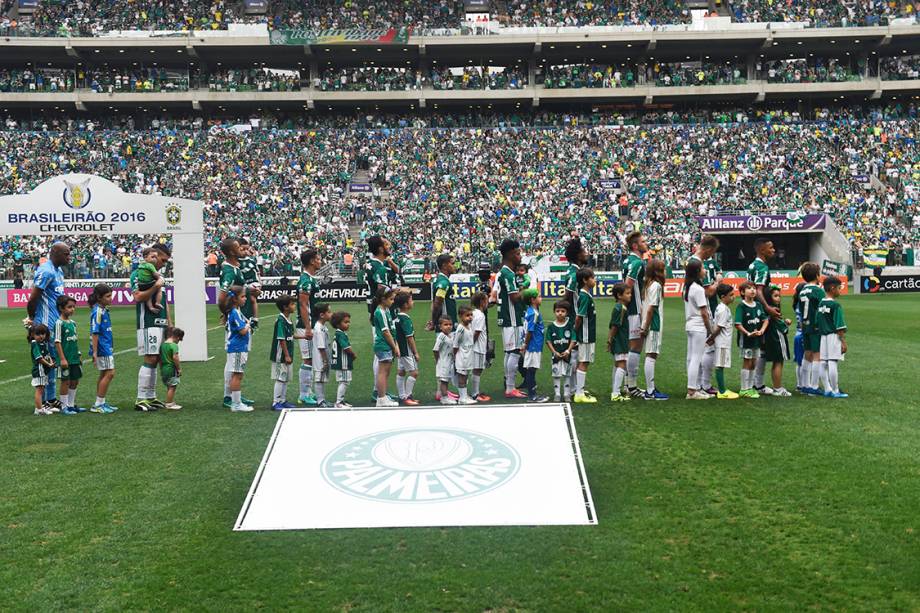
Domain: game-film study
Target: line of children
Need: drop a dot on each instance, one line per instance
(67, 348)
(343, 357)
(534, 334)
(42, 363)
(618, 339)
(560, 339)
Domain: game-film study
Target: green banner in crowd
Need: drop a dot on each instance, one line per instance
(312, 36)
(836, 269)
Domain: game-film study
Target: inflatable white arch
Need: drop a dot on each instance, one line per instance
(75, 204)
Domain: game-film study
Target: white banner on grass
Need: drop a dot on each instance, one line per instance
(430, 466)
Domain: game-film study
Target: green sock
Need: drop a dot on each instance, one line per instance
(720, 379)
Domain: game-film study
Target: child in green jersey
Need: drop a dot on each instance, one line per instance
(170, 367)
(776, 342)
(585, 332)
(282, 350)
(343, 357)
(751, 321)
(618, 339)
(68, 354)
(833, 329)
(407, 365)
(560, 337)
(42, 363)
(147, 276)
(385, 347)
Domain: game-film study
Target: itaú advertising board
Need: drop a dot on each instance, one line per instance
(86, 204)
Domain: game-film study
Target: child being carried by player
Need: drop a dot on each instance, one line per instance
(147, 276)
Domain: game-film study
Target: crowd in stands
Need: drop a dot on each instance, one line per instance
(94, 17)
(475, 77)
(900, 68)
(695, 73)
(254, 80)
(574, 76)
(463, 188)
(812, 70)
(369, 78)
(39, 80)
(133, 80)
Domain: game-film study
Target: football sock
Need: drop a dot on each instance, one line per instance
(226, 380)
(720, 379)
(340, 394)
(151, 381)
(618, 375)
(557, 386)
(833, 375)
(280, 394)
(410, 385)
(142, 381)
(632, 369)
(511, 360)
(745, 379)
(463, 392)
(759, 367)
(804, 374)
(580, 377)
(100, 400)
(825, 375)
(800, 373)
(72, 398)
(650, 374)
(320, 390)
(306, 379)
(376, 367)
(474, 385)
(401, 385)
(236, 398)
(567, 386)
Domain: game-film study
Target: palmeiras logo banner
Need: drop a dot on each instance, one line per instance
(422, 465)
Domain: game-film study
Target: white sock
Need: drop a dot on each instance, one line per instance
(799, 369)
(808, 369)
(511, 362)
(650, 374)
(567, 385)
(474, 385)
(632, 369)
(320, 390)
(833, 375)
(401, 385)
(759, 367)
(100, 400)
(151, 383)
(618, 375)
(825, 375)
(340, 394)
(557, 386)
(745, 379)
(376, 368)
(280, 394)
(306, 379)
(816, 369)
(72, 398)
(580, 377)
(410, 385)
(142, 381)
(463, 392)
(236, 398)
(227, 380)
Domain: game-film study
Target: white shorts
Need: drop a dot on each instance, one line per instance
(105, 362)
(831, 348)
(586, 352)
(40, 381)
(343, 376)
(513, 338)
(750, 354)
(444, 373)
(306, 349)
(532, 359)
(620, 357)
(236, 362)
(561, 369)
(652, 342)
(281, 372)
(723, 357)
(479, 361)
(149, 341)
(635, 327)
(407, 363)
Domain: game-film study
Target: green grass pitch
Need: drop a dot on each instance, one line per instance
(770, 504)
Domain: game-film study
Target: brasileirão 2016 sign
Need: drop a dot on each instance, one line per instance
(790, 222)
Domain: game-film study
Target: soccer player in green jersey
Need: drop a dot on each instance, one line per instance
(308, 287)
(171, 366)
(585, 333)
(443, 303)
(809, 299)
(249, 268)
(150, 328)
(68, 354)
(751, 322)
(712, 276)
(759, 275)
(510, 313)
(634, 269)
(833, 331)
(577, 256)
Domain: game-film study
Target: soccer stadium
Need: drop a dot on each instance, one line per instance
(459, 305)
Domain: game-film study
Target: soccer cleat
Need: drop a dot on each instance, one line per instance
(619, 398)
(634, 392)
(172, 406)
(655, 395)
(322, 404)
(584, 398)
(763, 390)
(567, 398)
(451, 394)
(142, 404)
(698, 395)
(97, 408)
(80, 409)
(107, 408)
(836, 395)
(782, 392)
(228, 402)
(157, 404)
(342, 405)
(68, 411)
(483, 398)
(308, 400)
(467, 400)
(50, 409)
(446, 400)
(42, 411)
(278, 406)
(712, 391)
(727, 395)
(749, 393)
(515, 393)
(409, 402)
(539, 399)
(55, 403)
(245, 400)
(241, 408)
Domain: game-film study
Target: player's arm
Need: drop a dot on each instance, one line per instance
(177, 363)
(145, 295)
(647, 318)
(303, 311)
(437, 306)
(350, 352)
(325, 358)
(841, 329)
(738, 325)
(763, 327)
(32, 305)
(549, 343)
(771, 311)
(612, 333)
